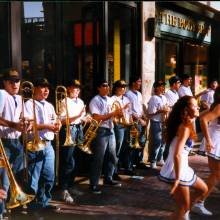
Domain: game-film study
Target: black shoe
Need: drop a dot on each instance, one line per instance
(95, 189)
(129, 172)
(112, 183)
(142, 166)
(191, 153)
(116, 177)
(202, 153)
(51, 208)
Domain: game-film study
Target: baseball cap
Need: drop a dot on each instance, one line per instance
(100, 82)
(173, 80)
(41, 82)
(10, 74)
(120, 83)
(159, 83)
(74, 83)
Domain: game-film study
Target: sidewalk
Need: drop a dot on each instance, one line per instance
(137, 199)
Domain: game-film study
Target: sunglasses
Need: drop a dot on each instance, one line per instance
(105, 85)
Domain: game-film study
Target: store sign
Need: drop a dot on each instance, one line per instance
(179, 24)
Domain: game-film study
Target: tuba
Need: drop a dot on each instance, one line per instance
(17, 196)
(117, 119)
(89, 135)
(36, 144)
(60, 94)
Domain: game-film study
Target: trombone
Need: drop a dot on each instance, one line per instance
(36, 144)
(60, 95)
(17, 196)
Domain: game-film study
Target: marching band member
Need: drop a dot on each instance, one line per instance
(76, 110)
(157, 109)
(104, 148)
(135, 98)
(11, 127)
(120, 127)
(41, 163)
(11, 109)
(172, 94)
(172, 97)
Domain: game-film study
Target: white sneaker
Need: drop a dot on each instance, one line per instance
(200, 209)
(153, 165)
(186, 216)
(160, 163)
(66, 197)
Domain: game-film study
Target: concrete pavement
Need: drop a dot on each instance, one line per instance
(138, 199)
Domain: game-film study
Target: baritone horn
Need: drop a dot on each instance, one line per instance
(89, 135)
(27, 89)
(119, 119)
(17, 196)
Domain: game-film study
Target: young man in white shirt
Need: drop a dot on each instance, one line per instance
(11, 125)
(76, 114)
(172, 94)
(41, 162)
(135, 97)
(104, 144)
(157, 111)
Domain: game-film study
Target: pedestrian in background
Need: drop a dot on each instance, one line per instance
(180, 133)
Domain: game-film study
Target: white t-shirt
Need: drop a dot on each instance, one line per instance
(156, 102)
(11, 112)
(172, 97)
(45, 114)
(183, 90)
(208, 97)
(74, 107)
(102, 106)
(136, 101)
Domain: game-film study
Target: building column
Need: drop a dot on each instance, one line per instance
(148, 49)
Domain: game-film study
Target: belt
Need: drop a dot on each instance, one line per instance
(46, 140)
(75, 125)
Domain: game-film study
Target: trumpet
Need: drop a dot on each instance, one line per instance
(134, 135)
(164, 117)
(60, 94)
(17, 196)
(119, 120)
(37, 144)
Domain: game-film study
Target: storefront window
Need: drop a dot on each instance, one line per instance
(196, 65)
(167, 60)
(4, 35)
(33, 47)
(121, 41)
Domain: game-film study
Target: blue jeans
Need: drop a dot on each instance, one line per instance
(158, 145)
(68, 161)
(120, 132)
(15, 154)
(104, 153)
(41, 174)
